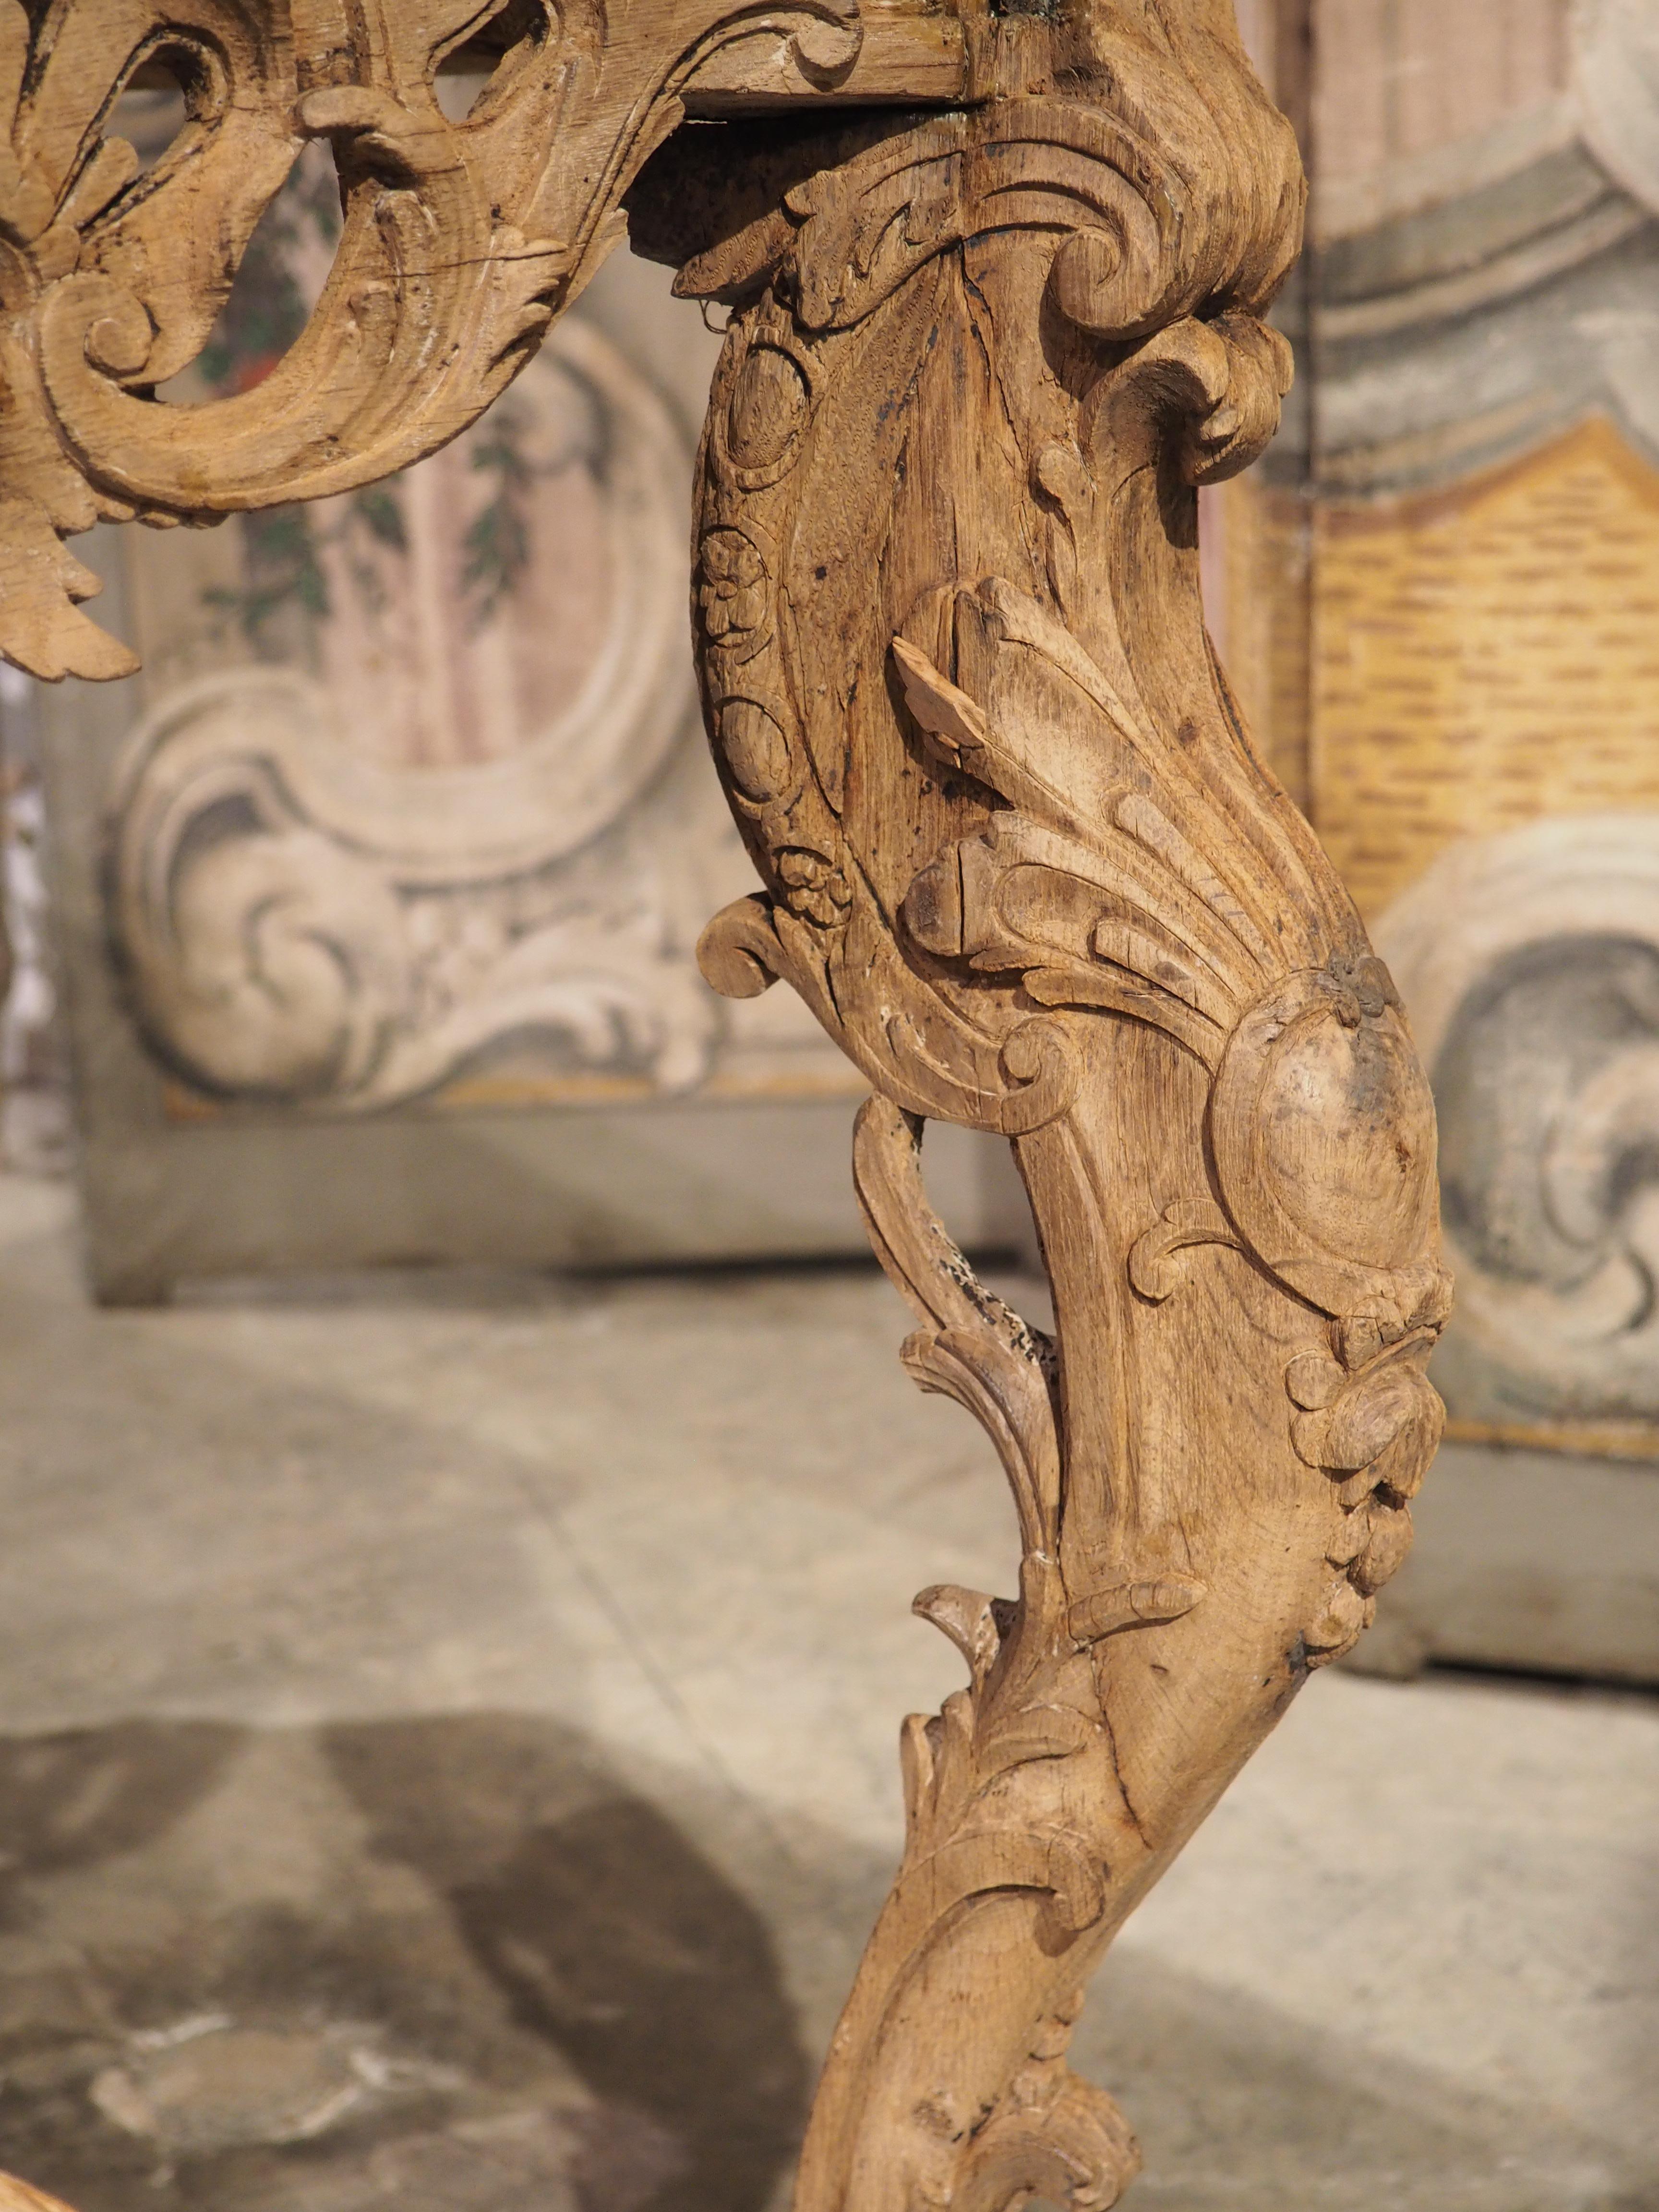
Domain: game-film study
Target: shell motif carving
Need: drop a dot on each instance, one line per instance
(1019, 857)
(1021, 860)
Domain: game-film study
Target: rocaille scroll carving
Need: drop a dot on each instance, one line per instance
(1021, 860)
(1018, 855)
(461, 240)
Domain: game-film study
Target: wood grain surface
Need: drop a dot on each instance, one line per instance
(1021, 860)
(1018, 854)
(17, 2196)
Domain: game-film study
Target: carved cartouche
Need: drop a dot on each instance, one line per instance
(1022, 861)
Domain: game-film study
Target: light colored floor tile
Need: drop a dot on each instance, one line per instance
(400, 1615)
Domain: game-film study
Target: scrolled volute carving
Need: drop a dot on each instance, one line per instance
(1083, 227)
(1017, 852)
(461, 240)
(1021, 860)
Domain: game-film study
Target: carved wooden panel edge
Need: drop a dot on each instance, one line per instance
(461, 240)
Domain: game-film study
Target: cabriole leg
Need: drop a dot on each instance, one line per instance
(1019, 857)
(1024, 864)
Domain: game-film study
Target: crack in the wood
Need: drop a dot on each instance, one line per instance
(1117, 1768)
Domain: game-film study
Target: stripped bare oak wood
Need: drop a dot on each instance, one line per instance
(1021, 860)
(17, 2196)
(1018, 855)
(461, 240)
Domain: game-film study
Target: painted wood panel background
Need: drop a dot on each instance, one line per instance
(1487, 654)
(1398, 79)
(1484, 748)
(417, 808)
(1439, 599)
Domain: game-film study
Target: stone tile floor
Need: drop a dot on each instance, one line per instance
(447, 1763)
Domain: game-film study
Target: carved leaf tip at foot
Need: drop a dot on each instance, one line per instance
(1020, 859)
(1134, 1605)
(1060, 2137)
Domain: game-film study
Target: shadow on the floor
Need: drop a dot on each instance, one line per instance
(1240, 2108)
(611, 1935)
(90, 1794)
(447, 1965)
(456, 1965)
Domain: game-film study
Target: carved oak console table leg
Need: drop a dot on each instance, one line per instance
(1020, 856)
(1025, 866)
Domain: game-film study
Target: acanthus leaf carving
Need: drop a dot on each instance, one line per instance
(950, 643)
(1017, 855)
(461, 241)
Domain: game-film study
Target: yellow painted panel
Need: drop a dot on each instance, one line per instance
(1484, 656)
